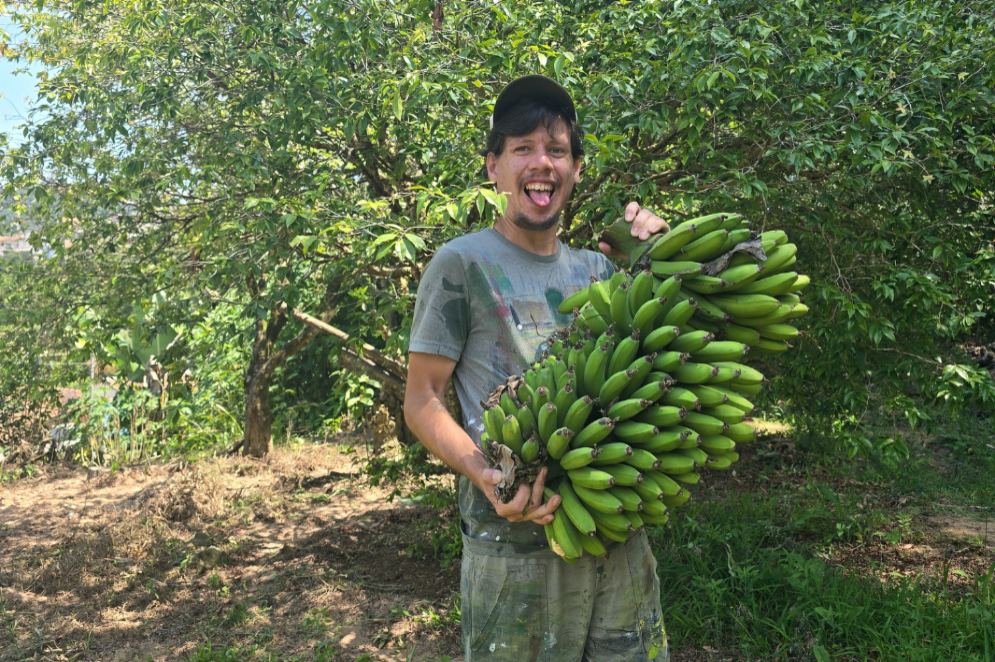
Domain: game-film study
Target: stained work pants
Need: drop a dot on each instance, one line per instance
(525, 604)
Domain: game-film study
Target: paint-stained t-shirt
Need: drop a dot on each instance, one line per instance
(490, 306)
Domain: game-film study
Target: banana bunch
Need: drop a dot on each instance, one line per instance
(649, 384)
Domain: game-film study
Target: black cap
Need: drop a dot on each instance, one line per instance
(531, 87)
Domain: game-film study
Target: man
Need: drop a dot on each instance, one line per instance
(486, 303)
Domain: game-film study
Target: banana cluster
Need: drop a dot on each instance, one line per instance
(648, 385)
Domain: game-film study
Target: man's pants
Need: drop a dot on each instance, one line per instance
(525, 604)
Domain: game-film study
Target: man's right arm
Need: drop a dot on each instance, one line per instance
(426, 414)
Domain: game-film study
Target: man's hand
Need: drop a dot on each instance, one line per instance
(527, 506)
(644, 223)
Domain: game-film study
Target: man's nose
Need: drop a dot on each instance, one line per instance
(541, 160)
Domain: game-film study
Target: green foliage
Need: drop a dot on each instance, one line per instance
(316, 152)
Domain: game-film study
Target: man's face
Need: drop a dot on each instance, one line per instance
(537, 174)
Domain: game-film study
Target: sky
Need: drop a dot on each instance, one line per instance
(15, 91)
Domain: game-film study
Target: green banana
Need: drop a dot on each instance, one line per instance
(574, 301)
(564, 400)
(708, 310)
(642, 367)
(721, 462)
(668, 361)
(626, 409)
(654, 508)
(747, 375)
(704, 424)
(593, 545)
(635, 519)
(651, 391)
(735, 238)
(726, 413)
(699, 456)
(494, 423)
(600, 299)
(547, 422)
(680, 397)
(591, 478)
(779, 258)
(691, 437)
(690, 342)
(789, 299)
(575, 510)
(594, 371)
(567, 537)
(578, 457)
(703, 284)
(530, 450)
(778, 237)
(681, 313)
(743, 334)
(740, 277)
(746, 305)
(691, 478)
(675, 463)
(677, 500)
(632, 432)
(613, 534)
(778, 332)
(617, 279)
(668, 488)
(708, 396)
(665, 441)
(662, 416)
(600, 499)
(559, 442)
(723, 375)
(672, 242)
(800, 284)
(593, 320)
(621, 317)
(614, 385)
(613, 520)
(797, 311)
(667, 289)
(779, 315)
(655, 520)
(660, 337)
(648, 490)
(540, 397)
(526, 420)
(624, 474)
(741, 433)
(734, 399)
(694, 373)
(717, 443)
(668, 269)
(630, 500)
(771, 285)
(593, 433)
(640, 291)
(643, 319)
(705, 247)
(625, 353)
(720, 350)
(643, 460)
(577, 415)
(507, 404)
(745, 389)
(612, 453)
(511, 433)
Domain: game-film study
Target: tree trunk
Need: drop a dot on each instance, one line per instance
(258, 415)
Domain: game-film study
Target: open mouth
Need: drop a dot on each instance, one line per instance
(540, 193)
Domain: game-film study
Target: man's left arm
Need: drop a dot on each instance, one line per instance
(644, 223)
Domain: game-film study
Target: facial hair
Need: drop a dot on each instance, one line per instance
(525, 223)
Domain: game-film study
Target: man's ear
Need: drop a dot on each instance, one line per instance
(577, 166)
(492, 167)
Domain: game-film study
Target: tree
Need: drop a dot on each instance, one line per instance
(310, 155)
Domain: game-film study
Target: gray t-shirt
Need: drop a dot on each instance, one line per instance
(490, 306)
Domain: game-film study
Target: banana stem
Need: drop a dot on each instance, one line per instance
(618, 235)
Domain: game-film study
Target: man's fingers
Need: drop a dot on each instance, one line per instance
(544, 511)
(631, 210)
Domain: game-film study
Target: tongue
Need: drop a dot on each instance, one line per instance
(541, 198)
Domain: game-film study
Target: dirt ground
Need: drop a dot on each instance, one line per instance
(293, 553)
(296, 554)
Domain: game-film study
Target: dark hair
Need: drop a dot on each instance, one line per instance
(523, 118)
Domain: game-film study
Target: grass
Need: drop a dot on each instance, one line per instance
(807, 563)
